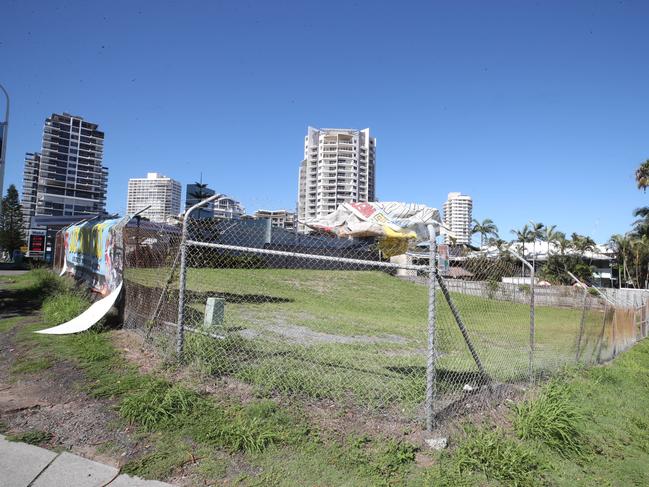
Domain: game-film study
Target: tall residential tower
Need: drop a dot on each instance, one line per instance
(338, 167)
(161, 192)
(457, 217)
(67, 177)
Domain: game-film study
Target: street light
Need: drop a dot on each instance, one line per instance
(4, 129)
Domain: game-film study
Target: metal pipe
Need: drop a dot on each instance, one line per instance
(431, 372)
(343, 260)
(182, 285)
(582, 324)
(3, 152)
(532, 344)
(463, 330)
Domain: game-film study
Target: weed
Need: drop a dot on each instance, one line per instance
(157, 403)
(33, 437)
(170, 453)
(552, 418)
(497, 457)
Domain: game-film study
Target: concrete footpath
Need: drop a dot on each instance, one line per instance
(23, 465)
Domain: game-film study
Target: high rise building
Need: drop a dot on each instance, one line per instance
(278, 218)
(161, 192)
(338, 167)
(67, 177)
(195, 193)
(457, 217)
(226, 207)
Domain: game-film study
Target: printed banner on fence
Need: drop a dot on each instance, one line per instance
(374, 219)
(93, 252)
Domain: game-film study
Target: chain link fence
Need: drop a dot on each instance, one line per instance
(351, 324)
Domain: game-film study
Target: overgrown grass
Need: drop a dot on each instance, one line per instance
(552, 418)
(33, 437)
(488, 454)
(604, 408)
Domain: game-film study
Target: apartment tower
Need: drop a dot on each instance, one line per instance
(338, 167)
(67, 177)
(457, 217)
(161, 192)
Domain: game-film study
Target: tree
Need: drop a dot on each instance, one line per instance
(642, 176)
(536, 232)
(523, 236)
(621, 245)
(486, 228)
(562, 242)
(11, 222)
(550, 235)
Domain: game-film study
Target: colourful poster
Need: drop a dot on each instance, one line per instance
(94, 253)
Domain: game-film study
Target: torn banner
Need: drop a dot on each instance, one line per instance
(394, 223)
(93, 253)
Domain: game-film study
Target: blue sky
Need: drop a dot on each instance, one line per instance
(539, 110)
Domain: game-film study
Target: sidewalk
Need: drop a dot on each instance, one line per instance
(23, 465)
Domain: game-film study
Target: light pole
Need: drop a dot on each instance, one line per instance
(4, 129)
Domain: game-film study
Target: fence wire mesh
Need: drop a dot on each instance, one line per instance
(324, 319)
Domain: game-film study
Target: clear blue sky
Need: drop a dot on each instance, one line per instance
(539, 110)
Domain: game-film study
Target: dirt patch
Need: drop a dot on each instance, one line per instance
(135, 350)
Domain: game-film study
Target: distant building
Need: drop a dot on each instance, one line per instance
(338, 167)
(161, 192)
(278, 218)
(197, 192)
(457, 217)
(228, 208)
(66, 178)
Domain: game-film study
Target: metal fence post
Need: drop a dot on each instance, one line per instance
(532, 313)
(582, 325)
(431, 373)
(180, 337)
(182, 284)
(532, 324)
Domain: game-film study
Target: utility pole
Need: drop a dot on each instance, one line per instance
(4, 129)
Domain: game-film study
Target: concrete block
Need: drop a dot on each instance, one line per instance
(21, 463)
(214, 313)
(68, 470)
(128, 481)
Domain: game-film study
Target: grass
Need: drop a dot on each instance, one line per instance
(553, 418)
(488, 455)
(360, 336)
(33, 437)
(587, 427)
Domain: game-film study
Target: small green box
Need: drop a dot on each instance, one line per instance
(214, 313)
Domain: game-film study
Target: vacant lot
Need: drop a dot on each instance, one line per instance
(361, 335)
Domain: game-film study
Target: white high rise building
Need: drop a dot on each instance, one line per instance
(457, 217)
(161, 192)
(338, 167)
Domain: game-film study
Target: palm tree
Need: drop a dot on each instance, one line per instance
(641, 225)
(486, 228)
(523, 236)
(621, 244)
(562, 242)
(642, 176)
(536, 231)
(551, 235)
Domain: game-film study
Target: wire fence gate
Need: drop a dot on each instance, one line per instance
(409, 337)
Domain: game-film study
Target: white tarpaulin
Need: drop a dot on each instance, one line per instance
(379, 219)
(88, 318)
